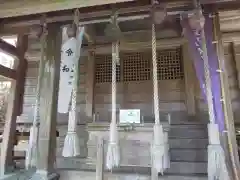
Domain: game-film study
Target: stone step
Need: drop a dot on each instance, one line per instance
(188, 168)
(188, 155)
(179, 168)
(19, 175)
(73, 175)
(188, 143)
(182, 118)
(185, 155)
(188, 131)
(90, 175)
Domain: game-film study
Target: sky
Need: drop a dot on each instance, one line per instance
(6, 59)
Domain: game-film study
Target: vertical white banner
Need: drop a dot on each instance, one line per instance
(68, 59)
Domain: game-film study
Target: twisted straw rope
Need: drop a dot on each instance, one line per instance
(75, 86)
(114, 84)
(75, 81)
(72, 127)
(207, 79)
(155, 78)
(115, 60)
(75, 71)
(117, 53)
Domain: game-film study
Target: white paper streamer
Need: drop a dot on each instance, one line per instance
(68, 57)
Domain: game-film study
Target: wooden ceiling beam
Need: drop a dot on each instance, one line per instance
(216, 1)
(126, 43)
(18, 8)
(88, 17)
(28, 24)
(235, 5)
(15, 8)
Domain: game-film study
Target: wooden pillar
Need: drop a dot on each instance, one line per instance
(227, 104)
(189, 79)
(22, 47)
(14, 107)
(90, 86)
(235, 46)
(100, 159)
(48, 105)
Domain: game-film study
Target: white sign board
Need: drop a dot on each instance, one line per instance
(130, 116)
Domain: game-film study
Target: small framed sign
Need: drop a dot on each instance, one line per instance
(130, 116)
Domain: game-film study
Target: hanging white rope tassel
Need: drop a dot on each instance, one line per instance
(217, 169)
(71, 146)
(160, 147)
(32, 151)
(113, 156)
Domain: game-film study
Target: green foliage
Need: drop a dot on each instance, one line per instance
(3, 105)
(4, 94)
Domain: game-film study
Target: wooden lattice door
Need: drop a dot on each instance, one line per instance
(134, 77)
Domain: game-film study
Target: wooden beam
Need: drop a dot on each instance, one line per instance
(16, 8)
(234, 5)
(93, 12)
(8, 48)
(216, 1)
(236, 56)
(90, 86)
(48, 104)
(22, 46)
(32, 26)
(132, 46)
(7, 72)
(9, 132)
(189, 79)
(227, 103)
(94, 15)
(13, 111)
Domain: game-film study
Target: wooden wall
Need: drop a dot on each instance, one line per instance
(139, 95)
(172, 93)
(135, 85)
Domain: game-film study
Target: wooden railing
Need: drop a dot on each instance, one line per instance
(100, 163)
(19, 136)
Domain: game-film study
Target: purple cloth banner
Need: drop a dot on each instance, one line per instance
(195, 43)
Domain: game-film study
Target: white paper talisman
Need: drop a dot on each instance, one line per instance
(68, 59)
(129, 116)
